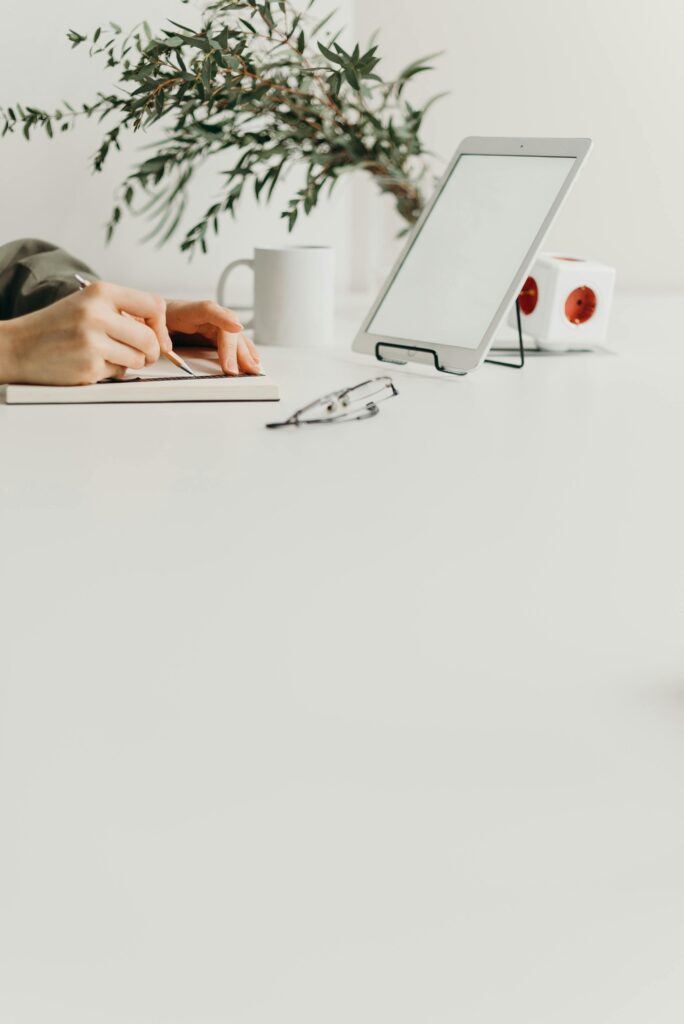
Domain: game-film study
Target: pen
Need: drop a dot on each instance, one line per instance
(172, 356)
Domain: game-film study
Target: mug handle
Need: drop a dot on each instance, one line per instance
(221, 288)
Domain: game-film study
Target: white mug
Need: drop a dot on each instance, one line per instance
(294, 295)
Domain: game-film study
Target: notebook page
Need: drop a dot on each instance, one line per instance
(202, 361)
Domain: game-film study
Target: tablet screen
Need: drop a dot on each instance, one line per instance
(462, 262)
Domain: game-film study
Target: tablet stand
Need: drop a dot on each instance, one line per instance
(433, 353)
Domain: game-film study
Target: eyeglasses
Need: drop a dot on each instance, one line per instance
(357, 403)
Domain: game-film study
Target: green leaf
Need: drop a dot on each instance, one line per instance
(75, 38)
(417, 67)
(252, 81)
(334, 58)
(335, 84)
(352, 78)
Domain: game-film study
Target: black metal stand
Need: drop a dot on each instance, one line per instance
(435, 357)
(501, 362)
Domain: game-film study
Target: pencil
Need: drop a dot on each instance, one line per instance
(172, 356)
(180, 363)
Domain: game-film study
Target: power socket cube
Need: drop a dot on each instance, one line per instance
(565, 302)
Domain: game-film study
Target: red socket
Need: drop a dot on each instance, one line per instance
(529, 297)
(580, 305)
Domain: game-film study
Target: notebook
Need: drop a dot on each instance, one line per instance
(162, 382)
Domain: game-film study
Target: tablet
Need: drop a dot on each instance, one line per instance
(467, 258)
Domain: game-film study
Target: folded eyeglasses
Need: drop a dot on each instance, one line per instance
(358, 403)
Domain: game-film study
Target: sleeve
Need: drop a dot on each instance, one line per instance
(34, 274)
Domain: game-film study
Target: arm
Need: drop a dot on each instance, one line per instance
(52, 333)
(34, 274)
(84, 338)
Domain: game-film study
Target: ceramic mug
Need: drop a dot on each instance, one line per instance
(294, 295)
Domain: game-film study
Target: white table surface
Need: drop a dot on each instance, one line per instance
(374, 723)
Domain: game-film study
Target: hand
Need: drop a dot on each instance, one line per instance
(211, 322)
(96, 333)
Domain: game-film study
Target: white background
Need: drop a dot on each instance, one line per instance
(408, 780)
(611, 69)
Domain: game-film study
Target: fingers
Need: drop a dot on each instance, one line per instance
(123, 355)
(135, 334)
(248, 359)
(219, 316)
(253, 350)
(227, 346)
(112, 370)
(237, 354)
(148, 307)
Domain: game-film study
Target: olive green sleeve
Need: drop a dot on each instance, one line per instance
(34, 274)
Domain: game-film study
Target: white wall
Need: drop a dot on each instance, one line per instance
(46, 189)
(610, 69)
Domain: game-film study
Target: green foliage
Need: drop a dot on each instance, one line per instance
(261, 82)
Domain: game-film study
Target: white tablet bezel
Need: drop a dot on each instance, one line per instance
(453, 357)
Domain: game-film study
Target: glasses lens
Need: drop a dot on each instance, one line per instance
(355, 412)
(371, 390)
(326, 408)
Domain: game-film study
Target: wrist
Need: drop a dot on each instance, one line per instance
(8, 360)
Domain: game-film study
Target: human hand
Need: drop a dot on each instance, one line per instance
(93, 334)
(207, 321)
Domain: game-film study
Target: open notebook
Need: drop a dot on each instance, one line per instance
(162, 382)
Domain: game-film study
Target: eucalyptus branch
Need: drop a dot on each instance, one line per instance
(261, 82)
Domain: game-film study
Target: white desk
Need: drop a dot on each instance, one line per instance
(275, 748)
